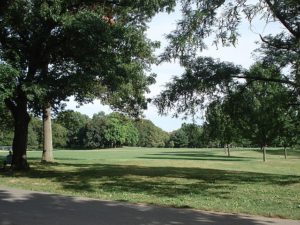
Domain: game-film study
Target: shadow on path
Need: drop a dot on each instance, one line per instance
(28, 208)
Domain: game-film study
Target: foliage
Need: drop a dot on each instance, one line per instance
(194, 134)
(204, 79)
(6, 126)
(73, 122)
(47, 33)
(207, 80)
(113, 130)
(93, 133)
(261, 107)
(150, 135)
(221, 127)
(179, 138)
(189, 135)
(59, 136)
(131, 134)
(51, 50)
(220, 20)
(35, 133)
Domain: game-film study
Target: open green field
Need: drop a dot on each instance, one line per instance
(196, 178)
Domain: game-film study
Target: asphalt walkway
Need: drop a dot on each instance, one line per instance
(18, 207)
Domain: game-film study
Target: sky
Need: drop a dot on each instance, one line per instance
(161, 25)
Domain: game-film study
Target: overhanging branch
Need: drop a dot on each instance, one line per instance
(294, 84)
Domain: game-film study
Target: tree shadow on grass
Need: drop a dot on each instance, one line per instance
(20, 207)
(194, 155)
(145, 184)
(294, 153)
(155, 181)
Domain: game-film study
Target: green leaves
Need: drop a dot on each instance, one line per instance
(113, 130)
(8, 81)
(150, 135)
(63, 48)
(220, 20)
(204, 78)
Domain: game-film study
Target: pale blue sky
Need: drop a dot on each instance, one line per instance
(161, 25)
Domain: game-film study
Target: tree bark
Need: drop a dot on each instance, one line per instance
(47, 136)
(264, 154)
(228, 150)
(18, 108)
(285, 152)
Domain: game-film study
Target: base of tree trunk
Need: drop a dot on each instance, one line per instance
(23, 166)
(47, 162)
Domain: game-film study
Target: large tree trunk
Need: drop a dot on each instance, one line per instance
(47, 136)
(18, 107)
(228, 150)
(285, 152)
(264, 153)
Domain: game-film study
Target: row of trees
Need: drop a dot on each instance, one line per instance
(74, 130)
(51, 50)
(256, 113)
(260, 104)
(262, 112)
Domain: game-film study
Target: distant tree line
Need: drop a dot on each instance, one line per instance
(254, 115)
(75, 130)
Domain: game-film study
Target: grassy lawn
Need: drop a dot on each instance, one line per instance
(198, 178)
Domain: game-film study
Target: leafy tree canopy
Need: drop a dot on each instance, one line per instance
(204, 79)
(150, 135)
(50, 50)
(221, 20)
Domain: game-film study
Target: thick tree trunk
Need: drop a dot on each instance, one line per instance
(228, 150)
(18, 107)
(264, 153)
(285, 152)
(47, 136)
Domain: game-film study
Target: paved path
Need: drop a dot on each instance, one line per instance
(19, 207)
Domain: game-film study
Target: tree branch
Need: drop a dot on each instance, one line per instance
(282, 19)
(294, 84)
(286, 47)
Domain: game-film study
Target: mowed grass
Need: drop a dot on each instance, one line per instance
(196, 178)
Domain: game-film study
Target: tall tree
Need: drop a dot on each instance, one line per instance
(288, 132)
(206, 79)
(51, 50)
(259, 107)
(179, 138)
(150, 135)
(194, 134)
(110, 131)
(73, 122)
(220, 125)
